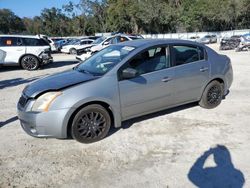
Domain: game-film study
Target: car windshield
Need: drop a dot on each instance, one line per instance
(103, 61)
(99, 40)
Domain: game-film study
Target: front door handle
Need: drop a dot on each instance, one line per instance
(166, 79)
(203, 69)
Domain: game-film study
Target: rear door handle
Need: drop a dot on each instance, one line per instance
(203, 69)
(166, 79)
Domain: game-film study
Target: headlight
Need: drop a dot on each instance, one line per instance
(43, 102)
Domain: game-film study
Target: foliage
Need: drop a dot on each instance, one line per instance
(132, 16)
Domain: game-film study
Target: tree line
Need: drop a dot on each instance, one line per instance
(131, 16)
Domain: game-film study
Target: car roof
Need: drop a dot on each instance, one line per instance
(153, 42)
(21, 36)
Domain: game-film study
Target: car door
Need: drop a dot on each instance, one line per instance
(35, 46)
(152, 88)
(191, 72)
(13, 48)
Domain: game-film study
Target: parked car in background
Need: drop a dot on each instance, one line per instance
(194, 38)
(208, 39)
(60, 43)
(230, 43)
(244, 43)
(121, 82)
(114, 39)
(73, 47)
(85, 50)
(93, 37)
(29, 52)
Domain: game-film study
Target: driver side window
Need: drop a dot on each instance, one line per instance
(150, 60)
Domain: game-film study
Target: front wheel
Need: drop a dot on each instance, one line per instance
(30, 62)
(73, 51)
(212, 95)
(91, 124)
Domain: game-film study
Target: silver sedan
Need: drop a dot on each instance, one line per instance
(121, 82)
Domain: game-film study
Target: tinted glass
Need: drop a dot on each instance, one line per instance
(187, 54)
(86, 42)
(151, 60)
(122, 39)
(34, 42)
(99, 40)
(103, 61)
(109, 40)
(10, 41)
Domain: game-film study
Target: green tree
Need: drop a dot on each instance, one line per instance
(10, 23)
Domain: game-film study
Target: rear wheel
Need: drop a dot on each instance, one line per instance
(91, 124)
(212, 95)
(30, 62)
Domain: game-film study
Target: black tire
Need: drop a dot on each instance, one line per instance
(73, 51)
(91, 124)
(212, 95)
(237, 49)
(30, 62)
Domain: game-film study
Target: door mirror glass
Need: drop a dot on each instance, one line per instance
(129, 73)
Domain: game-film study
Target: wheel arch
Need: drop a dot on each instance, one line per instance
(22, 56)
(102, 103)
(219, 79)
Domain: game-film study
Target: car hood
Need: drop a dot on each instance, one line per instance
(57, 82)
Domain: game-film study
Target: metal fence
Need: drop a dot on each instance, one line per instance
(219, 34)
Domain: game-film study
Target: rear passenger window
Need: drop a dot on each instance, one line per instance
(34, 42)
(43, 42)
(10, 41)
(30, 42)
(187, 54)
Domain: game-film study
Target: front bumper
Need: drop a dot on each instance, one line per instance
(44, 124)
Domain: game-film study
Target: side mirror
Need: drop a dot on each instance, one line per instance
(105, 43)
(129, 73)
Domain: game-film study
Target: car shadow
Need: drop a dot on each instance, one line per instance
(10, 120)
(57, 64)
(16, 81)
(128, 123)
(9, 68)
(224, 174)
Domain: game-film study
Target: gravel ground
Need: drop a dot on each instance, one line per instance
(157, 150)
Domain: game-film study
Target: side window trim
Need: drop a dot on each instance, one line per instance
(167, 47)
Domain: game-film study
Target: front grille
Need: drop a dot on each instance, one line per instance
(23, 101)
